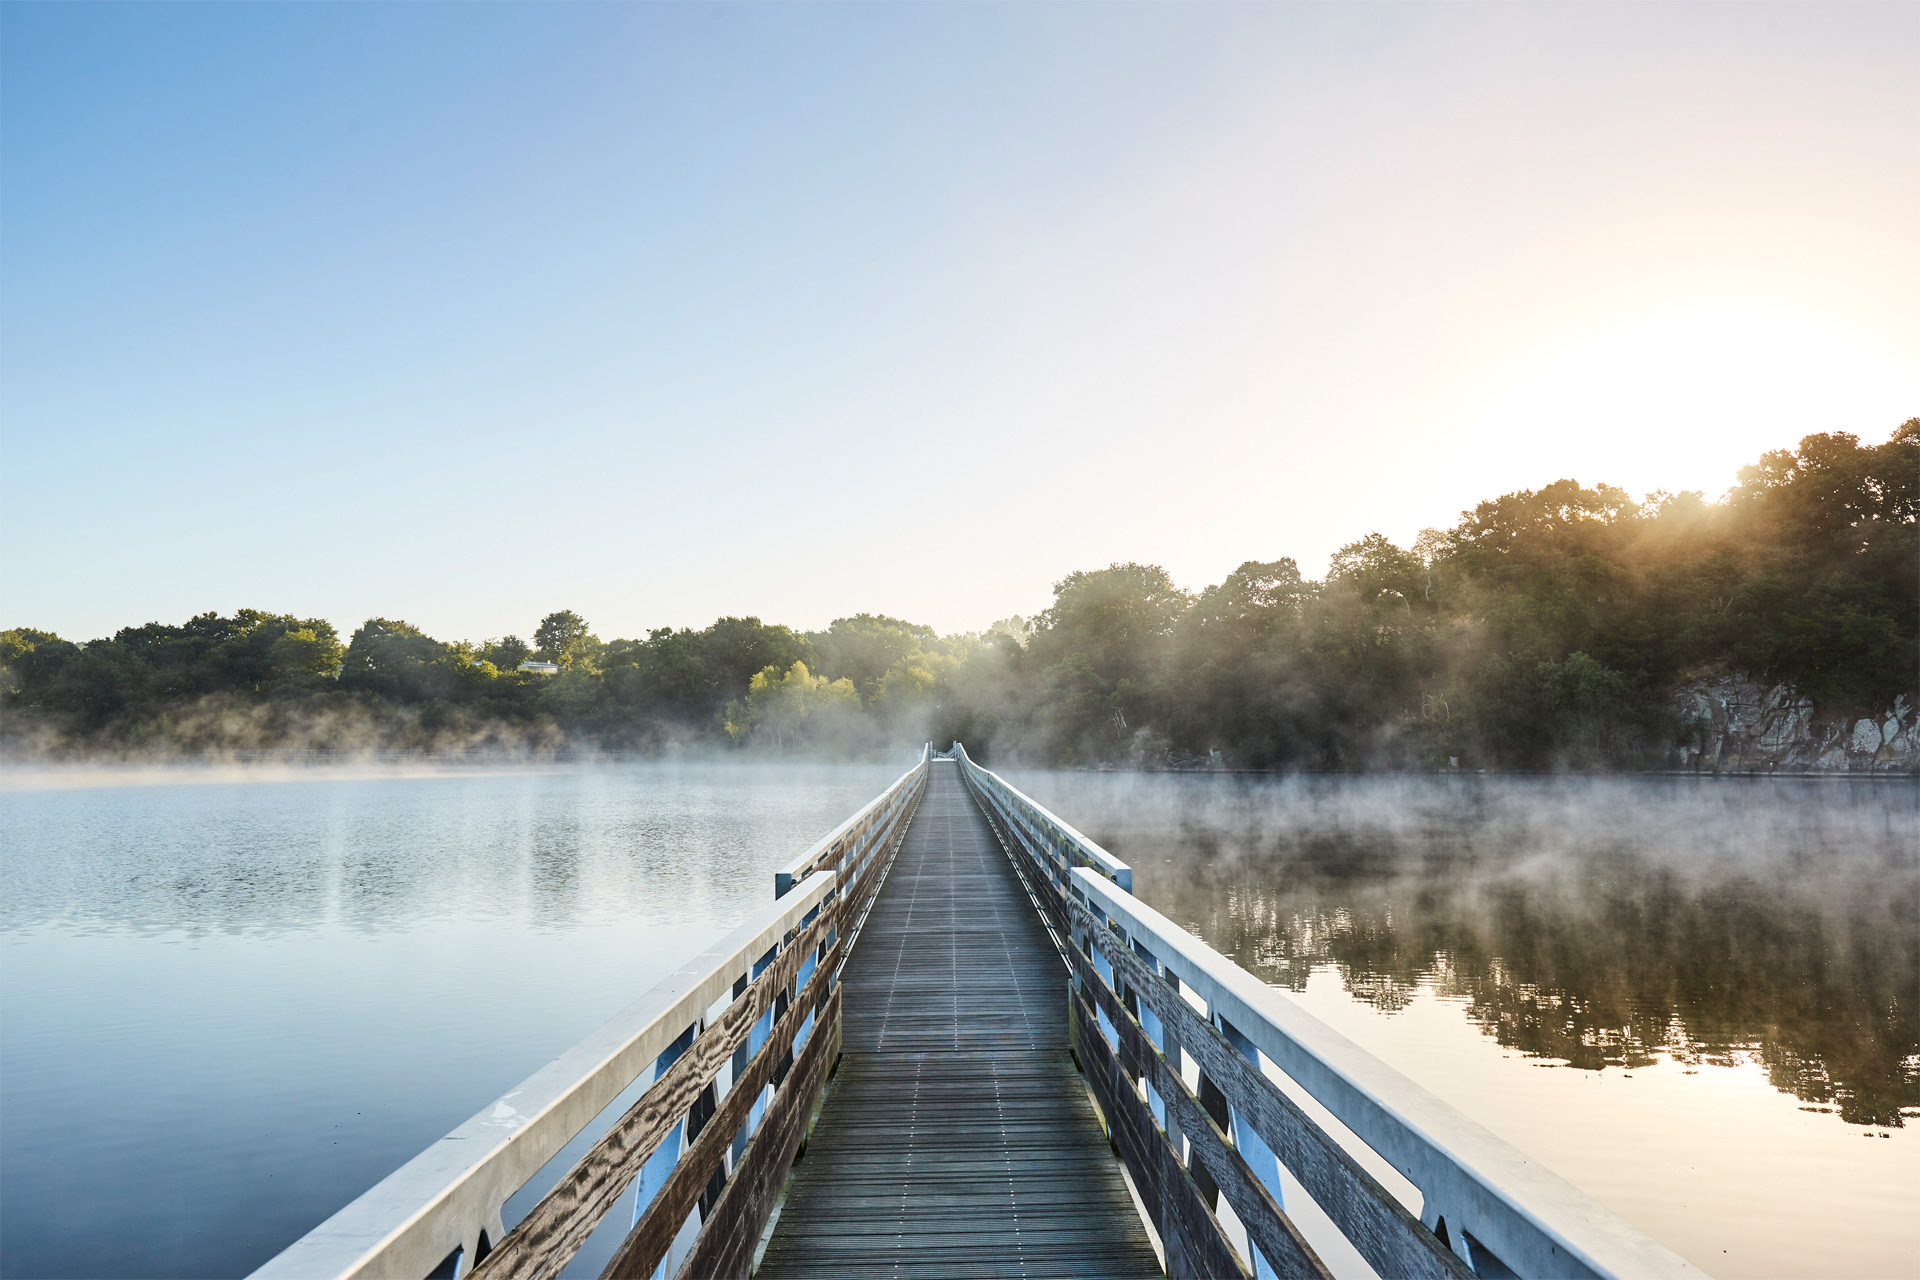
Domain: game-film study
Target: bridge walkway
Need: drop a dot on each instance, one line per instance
(956, 1139)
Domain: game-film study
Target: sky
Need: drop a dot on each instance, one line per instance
(463, 314)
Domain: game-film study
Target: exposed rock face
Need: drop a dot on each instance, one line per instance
(1739, 726)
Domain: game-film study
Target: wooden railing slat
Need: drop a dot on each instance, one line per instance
(1195, 1244)
(1017, 842)
(543, 1242)
(654, 1234)
(763, 1166)
(1270, 1226)
(1391, 1240)
(727, 1239)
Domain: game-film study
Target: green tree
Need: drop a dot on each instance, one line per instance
(865, 647)
(1236, 678)
(1546, 628)
(692, 677)
(506, 653)
(16, 644)
(563, 638)
(1829, 600)
(396, 660)
(733, 650)
(1374, 568)
(95, 686)
(785, 708)
(1104, 628)
(306, 657)
(665, 675)
(211, 653)
(1119, 618)
(1015, 628)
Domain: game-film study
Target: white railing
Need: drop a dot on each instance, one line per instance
(1050, 838)
(1181, 1045)
(1493, 1199)
(850, 847)
(737, 1040)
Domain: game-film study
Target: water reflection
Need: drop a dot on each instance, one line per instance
(553, 849)
(229, 1006)
(1596, 923)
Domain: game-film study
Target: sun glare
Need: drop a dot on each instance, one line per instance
(1682, 400)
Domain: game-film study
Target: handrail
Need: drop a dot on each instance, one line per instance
(853, 837)
(441, 1200)
(1492, 1198)
(727, 1061)
(1062, 845)
(1203, 1141)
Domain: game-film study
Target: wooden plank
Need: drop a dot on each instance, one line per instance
(1195, 1244)
(1039, 867)
(1391, 1240)
(543, 1242)
(724, 1247)
(1004, 1170)
(956, 1138)
(651, 1237)
(1272, 1230)
(559, 1225)
(848, 840)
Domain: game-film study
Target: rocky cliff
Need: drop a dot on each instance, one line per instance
(1737, 725)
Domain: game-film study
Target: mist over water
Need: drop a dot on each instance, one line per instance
(231, 1001)
(1665, 938)
(1594, 921)
(259, 852)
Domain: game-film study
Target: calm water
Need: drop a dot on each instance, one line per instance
(1694, 999)
(227, 1007)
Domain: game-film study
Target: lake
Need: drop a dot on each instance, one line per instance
(1693, 998)
(231, 1002)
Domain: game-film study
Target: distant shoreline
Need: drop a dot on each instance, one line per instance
(324, 758)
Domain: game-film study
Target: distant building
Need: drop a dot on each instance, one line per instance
(541, 668)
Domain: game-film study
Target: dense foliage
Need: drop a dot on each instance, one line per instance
(1546, 629)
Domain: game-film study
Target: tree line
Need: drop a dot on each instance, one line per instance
(1547, 628)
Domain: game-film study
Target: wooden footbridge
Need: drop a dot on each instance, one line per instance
(954, 1044)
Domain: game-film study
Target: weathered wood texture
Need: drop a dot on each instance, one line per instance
(651, 1237)
(543, 1242)
(1391, 1240)
(1185, 1214)
(842, 846)
(728, 1237)
(862, 880)
(1037, 866)
(1192, 1237)
(956, 1139)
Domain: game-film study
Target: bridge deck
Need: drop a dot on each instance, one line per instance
(956, 1139)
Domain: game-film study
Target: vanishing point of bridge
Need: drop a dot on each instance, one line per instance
(956, 1045)
(956, 1139)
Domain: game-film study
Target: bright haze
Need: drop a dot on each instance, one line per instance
(463, 314)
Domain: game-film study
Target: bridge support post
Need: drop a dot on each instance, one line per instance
(1254, 1152)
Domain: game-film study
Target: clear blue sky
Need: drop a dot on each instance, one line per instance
(466, 313)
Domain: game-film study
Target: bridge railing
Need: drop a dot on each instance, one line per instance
(731, 1053)
(850, 849)
(1052, 847)
(1185, 1053)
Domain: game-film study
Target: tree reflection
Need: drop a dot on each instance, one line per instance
(1602, 958)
